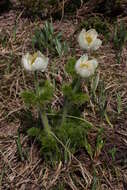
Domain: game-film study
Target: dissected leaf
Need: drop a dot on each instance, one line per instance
(29, 97)
(45, 93)
(75, 97)
(34, 132)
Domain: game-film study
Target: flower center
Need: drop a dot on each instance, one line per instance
(84, 65)
(88, 39)
(34, 56)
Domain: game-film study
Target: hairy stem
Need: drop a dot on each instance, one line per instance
(45, 122)
(41, 113)
(67, 103)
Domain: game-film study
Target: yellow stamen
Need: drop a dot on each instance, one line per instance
(84, 65)
(88, 39)
(34, 56)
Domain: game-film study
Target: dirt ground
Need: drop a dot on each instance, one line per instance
(33, 172)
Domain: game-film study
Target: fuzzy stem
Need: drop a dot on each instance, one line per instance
(41, 113)
(45, 122)
(77, 85)
(67, 103)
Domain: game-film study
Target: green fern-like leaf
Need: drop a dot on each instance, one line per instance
(75, 97)
(75, 132)
(50, 148)
(34, 132)
(29, 98)
(45, 93)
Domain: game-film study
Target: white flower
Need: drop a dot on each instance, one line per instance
(35, 62)
(88, 40)
(85, 67)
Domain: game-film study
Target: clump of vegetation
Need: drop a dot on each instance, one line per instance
(119, 39)
(4, 37)
(46, 38)
(63, 141)
(61, 134)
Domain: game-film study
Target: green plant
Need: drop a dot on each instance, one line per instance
(19, 147)
(112, 152)
(99, 94)
(62, 133)
(119, 39)
(95, 181)
(99, 143)
(57, 143)
(4, 38)
(119, 103)
(63, 141)
(59, 186)
(46, 38)
(42, 95)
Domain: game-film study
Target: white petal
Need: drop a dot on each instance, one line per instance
(26, 62)
(82, 72)
(82, 42)
(40, 63)
(93, 63)
(93, 33)
(94, 44)
(86, 71)
(97, 43)
(83, 58)
(39, 54)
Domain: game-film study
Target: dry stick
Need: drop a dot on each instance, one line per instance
(7, 163)
(56, 10)
(10, 113)
(62, 10)
(88, 7)
(71, 184)
(56, 175)
(106, 178)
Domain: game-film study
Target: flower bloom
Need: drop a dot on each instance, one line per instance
(85, 67)
(88, 39)
(35, 62)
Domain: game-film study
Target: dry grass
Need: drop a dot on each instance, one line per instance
(33, 172)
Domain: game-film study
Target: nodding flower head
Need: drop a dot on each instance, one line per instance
(88, 40)
(35, 62)
(85, 67)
